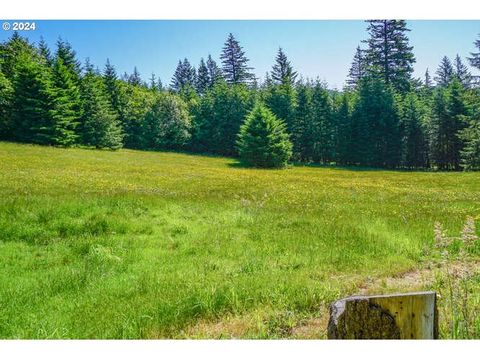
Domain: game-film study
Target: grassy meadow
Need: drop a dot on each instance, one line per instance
(131, 244)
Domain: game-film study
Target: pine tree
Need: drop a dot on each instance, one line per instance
(32, 102)
(357, 70)
(263, 140)
(414, 149)
(389, 55)
(203, 80)
(428, 80)
(45, 52)
(375, 126)
(13, 51)
(234, 61)
(282, 71)
(281, 100)
(68, 56)
(66, 109)
(445, 72)
(153, 83)
(184, 75)
(475, 59)
(214, 72)
(302, 136)
(343, 123)
(99, 124)
(135, 78)
(449, 111)
(470, 153)
(462, 73)
(323, 125)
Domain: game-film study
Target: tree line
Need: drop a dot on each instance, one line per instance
(384, 117)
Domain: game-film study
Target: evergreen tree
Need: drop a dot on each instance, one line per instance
(235, 63)
(323, 125)
(153, 82)
(184, 75)
(68, 56)
(263, 140)
(45, 52)
(389, 55)
(280, 99)
(343, 122)
(99, 124)
(428, 80)
(167, 123)
(375, 126)
(449, 111)
(282, 71)
(218, 117)
(357, 70)
(203, 79)
(112, 89)
(135, 78)
(462, 73)
(302, 136)
(13, 51)
(414, 149)
(470, 153)
(475, 59)
(214, 72)
(66, 109)
(32, 101)
(444, 72)
(6, 98)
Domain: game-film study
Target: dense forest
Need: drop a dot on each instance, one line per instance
(384, 117)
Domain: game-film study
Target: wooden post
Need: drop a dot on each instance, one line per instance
(396, 316)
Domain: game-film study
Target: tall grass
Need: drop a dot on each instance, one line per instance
(130, 244)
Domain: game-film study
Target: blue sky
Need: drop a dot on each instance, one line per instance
(321, 48)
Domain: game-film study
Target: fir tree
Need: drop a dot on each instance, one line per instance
(302, 136)
(282, 71)
(99, 124)
(357, 70)
(135, 79)
(428, 80)
(153, 82)
(203, 79)
(280, 99)
(66, 53)
(235, 64)
(32, 101)
(263, 140)
(445, 72)
(475, 56)
(389, 55)
(45, 52)
(214, 72)
(470, 153)
(66, 104)
(414, 149)
(461, 72)
(343, 123)
(184, 75)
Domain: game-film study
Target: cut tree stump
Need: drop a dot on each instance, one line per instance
(396, 316)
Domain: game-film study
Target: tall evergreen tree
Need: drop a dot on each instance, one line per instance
(214, 72)
(445, 72)
(475, 56)
(470, 153)
(449, 111)
(68, 56)
(32, 102)
(389, 54)
(99, 124)
(301, 129)
(281, 100)
(282, 71)
(203, 79)
(357, 69)
(6, 98)
(234, 63)
(45, 52)
(343, 122)
(428, 80)
(66, 109)
(135, 78)
(461, 72)
(414, 147)
(184, 75)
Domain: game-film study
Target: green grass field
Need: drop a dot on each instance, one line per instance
(130, 244)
